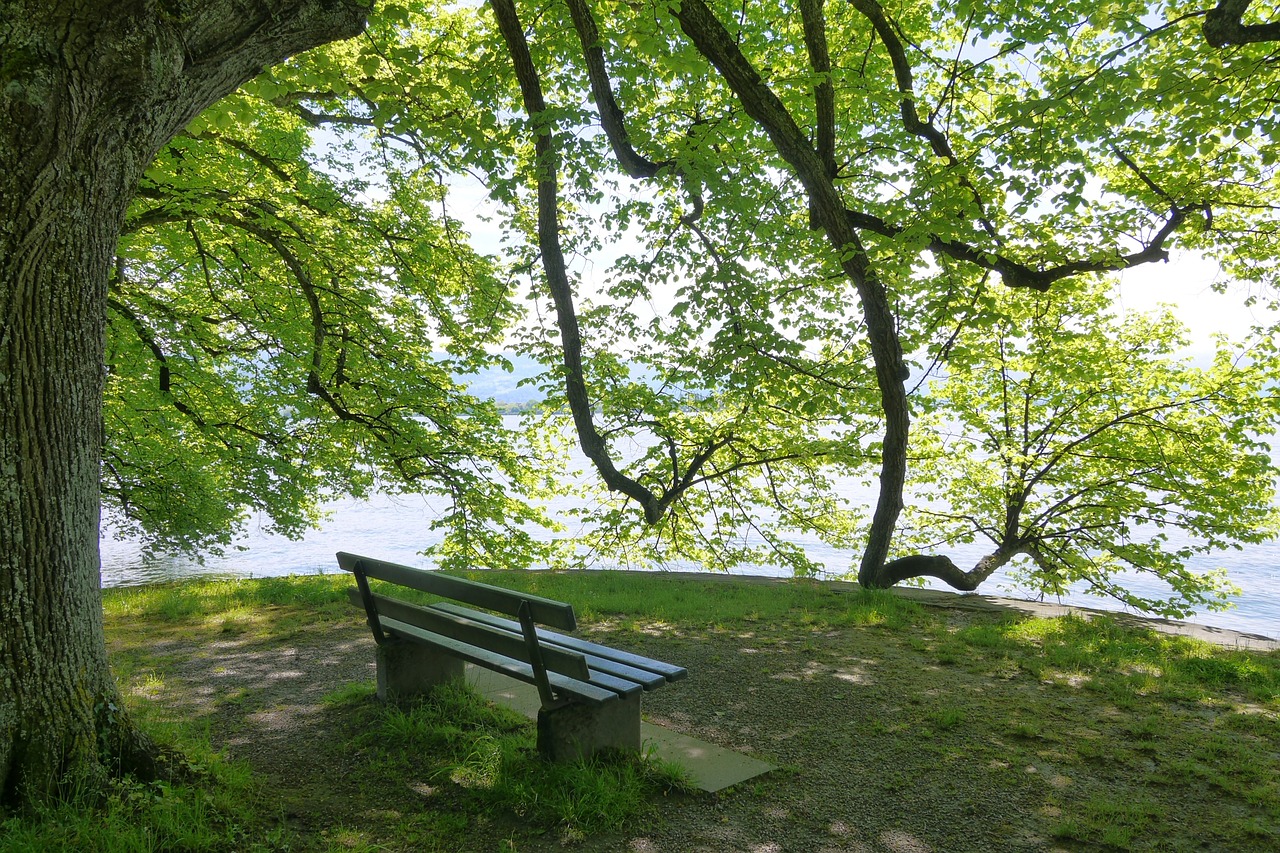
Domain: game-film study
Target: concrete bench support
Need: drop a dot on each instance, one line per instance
(572, 731)
(407, 670)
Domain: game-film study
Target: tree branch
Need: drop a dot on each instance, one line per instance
(1224, 25)
(593, 445)
(1017, 274)
(824, 93)
(612, 119)
(938, 142)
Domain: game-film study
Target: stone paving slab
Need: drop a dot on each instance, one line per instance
(711, 767)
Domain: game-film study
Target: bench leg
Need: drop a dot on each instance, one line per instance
(407, 670)
(573, 731)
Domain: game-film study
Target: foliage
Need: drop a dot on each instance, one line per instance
(1085, 442)
(288, 324)
(747, 259)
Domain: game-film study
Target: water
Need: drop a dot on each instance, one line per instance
(398, 528)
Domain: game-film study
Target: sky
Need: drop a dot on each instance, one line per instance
(1185, 282)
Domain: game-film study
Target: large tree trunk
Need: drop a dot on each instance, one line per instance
(89, 92)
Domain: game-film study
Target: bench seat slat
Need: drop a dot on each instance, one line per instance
(589, 693)
(617, 676)
(647, 679)
(617, 684)
(669, 672)
(467, 629)
(545, 611)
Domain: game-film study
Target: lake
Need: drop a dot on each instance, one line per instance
(397, 528)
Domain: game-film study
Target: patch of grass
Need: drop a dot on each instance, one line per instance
(220, 811)
(223, 599)
(949, 717)
(486, 756)
(1024, 728)
(1254, 721)
(1111, 823)
(349, 694)
(1119, 660)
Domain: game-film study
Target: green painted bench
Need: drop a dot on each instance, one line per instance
(590, 693)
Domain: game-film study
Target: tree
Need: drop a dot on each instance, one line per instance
(938, 152)
(1080, 441)
(90, 93)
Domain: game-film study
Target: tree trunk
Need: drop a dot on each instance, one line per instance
(88, 94)
(828, 211)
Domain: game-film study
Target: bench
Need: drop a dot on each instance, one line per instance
(590, 693)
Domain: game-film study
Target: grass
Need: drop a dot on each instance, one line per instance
(487, 757)
(642, 600)
(1082, 733)
(221, 812)
(1117, 660)
(299, 599)
(635, 598)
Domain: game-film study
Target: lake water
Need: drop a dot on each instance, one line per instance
(397, 528)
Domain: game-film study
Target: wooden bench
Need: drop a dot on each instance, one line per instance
(590, 693)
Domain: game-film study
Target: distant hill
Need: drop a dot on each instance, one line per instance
(502, 387)
(505, 388)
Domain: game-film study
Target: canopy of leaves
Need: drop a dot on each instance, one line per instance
(295, 300)
(1084, 441)
(289, 316)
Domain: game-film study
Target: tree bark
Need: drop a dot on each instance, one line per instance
(1224, 25)
(89, 92)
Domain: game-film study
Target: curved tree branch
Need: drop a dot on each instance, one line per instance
(612, 119)
(938, 142)
(611, 115)
(593, 445)
(1224, 25)
(1017, 274)
(942, 568)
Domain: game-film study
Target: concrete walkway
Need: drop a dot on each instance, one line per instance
(709, 766)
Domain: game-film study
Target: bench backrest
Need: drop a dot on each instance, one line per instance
(477, 633)
(545, 611)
